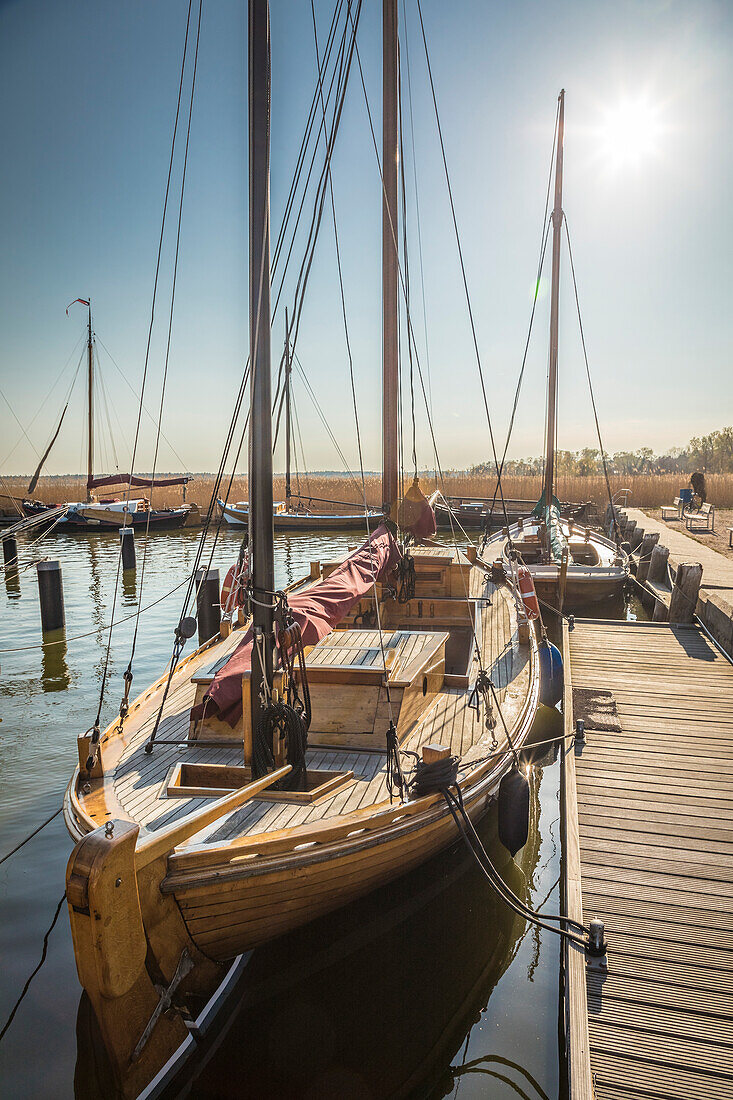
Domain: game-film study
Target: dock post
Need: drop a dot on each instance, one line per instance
(637, 537)
(629, 532)
(10, 554)
(51, 592)
(127, 547)
(658, 564)
(645, 553)
(684, 594)
(208, 606)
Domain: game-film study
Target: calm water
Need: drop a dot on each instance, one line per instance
(427, 988)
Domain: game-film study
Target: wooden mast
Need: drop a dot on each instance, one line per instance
(287, 412)
(260, 449)
(554, 308)
(390, 259)
(90, 405)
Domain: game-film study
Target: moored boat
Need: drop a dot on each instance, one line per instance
(301, 518)
(300, 758)
(569, 567)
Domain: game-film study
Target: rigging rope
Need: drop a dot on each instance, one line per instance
(96, 726)
(614, 523)
(462, 264)
(27, 985)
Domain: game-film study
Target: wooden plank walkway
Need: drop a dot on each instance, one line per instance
(653, 858)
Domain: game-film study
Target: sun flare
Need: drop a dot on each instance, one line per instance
(630, 133)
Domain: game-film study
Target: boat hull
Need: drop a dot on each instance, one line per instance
(302, 521)
(228, 914)
(164, 519)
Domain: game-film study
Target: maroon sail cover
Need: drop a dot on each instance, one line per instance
(138, 482)
(317, 611)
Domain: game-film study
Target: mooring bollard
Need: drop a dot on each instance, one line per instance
(684, 593)
(127, 542)
(658, 565)
(208, 607)
(637, 538)
(51, 592)
(10, 554)
(645, 553)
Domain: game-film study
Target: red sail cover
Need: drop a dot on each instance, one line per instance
(317, 611)
(137, 482)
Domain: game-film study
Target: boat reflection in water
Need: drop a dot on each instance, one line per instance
(377, 999)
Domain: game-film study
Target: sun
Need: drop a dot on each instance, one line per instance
(630, 132)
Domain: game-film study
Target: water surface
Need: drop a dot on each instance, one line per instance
(427, 988)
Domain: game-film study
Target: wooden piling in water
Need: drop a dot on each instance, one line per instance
(51, 593)
(10, 554)
(127, 548)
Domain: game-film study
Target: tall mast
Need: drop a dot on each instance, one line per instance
(90, 406)
(390, 260)
(260, 448)
(287, 412)
(554, 307)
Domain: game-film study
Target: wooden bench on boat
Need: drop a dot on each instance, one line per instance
(356, 716)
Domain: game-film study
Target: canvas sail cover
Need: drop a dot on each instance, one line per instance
(415, 513)
(317, 611)
(551, 516)
(135, 482)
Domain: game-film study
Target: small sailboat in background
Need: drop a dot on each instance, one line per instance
(108, 514)
(296, 512)
(570, 563)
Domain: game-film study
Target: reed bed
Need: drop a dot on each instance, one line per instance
(646, 490)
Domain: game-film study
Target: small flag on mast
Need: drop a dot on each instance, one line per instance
(83, 301)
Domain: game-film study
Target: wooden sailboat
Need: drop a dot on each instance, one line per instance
(570, 564)
(109, 514)
(193, 843)
(297, 512)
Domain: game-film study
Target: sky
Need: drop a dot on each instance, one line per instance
(90, 90)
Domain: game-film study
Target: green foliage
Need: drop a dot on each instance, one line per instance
(712, 453)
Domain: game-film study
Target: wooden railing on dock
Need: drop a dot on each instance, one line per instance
(653, 858)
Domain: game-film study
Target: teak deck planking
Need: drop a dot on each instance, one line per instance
(140, 780)
(652, 856)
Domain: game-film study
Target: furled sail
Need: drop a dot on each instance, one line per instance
(135, 482)
(46, 453)
(317, 611)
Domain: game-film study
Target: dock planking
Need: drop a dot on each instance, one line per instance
(648, 840)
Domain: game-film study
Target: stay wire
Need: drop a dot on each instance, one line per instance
(170, 325)
(462, 263)
(147, 412)
(614, 523)
(417, 204)
(407, 279)
(401, 274)
(355, 406)
(147, 350)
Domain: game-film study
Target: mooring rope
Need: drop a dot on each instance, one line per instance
(31, 835)
(27, 985)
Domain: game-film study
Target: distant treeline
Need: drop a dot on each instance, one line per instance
(712, 453)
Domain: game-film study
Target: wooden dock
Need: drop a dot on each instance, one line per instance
(648, 849)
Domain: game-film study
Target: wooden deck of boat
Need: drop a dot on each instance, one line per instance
(649, 847)
(140, 779)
